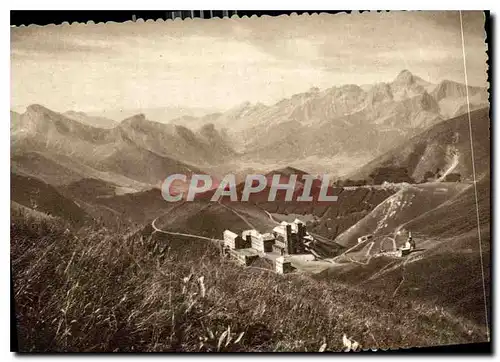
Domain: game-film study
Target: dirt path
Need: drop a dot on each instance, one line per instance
(403, 270)
(271, 217)
(369, 249)
(158, 230)
(453, 165)
(178, 234)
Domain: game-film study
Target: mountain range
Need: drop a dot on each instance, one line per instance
(335, 131)
(135, 150)
(349, 123)
(81, 170)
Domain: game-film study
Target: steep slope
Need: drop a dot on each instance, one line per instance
(56, 148)
(408, 203)
(101, 200)
(37, 165)
(58, 169)
(143, 165)
(20, 212)
(39, 196)
(458, 215)
(452, 98)
(445, 269)
(202, 218)
(445, 146)
(175, 141)
(40, 129)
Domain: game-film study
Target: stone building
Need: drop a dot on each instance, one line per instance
(233, 240)
(282, 265)
(260, 242)
(244, 256)
(290, 237)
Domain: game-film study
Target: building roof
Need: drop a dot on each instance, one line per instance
(280, 229)
(251, 232)
(268, 236)
(230, 234)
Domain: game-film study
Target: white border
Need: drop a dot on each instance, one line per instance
(186, 4)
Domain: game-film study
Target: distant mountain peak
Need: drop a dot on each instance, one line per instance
(135, 119)
(74, 113)
(38, 108)
(405, 77)
(207, 127)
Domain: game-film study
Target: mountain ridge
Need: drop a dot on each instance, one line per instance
(342, 120)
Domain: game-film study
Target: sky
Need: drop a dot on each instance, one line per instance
(220, 63)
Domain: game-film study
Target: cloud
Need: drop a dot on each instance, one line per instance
(34, 44)
(221, 63)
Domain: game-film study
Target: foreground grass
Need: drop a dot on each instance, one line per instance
(97, 291)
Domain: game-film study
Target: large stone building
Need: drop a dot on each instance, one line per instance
(286, 239)
(233, 240)
(260, 242)
(290, 237)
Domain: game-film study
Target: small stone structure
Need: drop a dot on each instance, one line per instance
(233, 240)
(408, 247)
(244, 256)
(364, 238)
(260, 242)
(283, 265)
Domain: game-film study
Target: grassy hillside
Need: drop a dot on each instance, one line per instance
(62, 169)
(458, 215)
(37, 165)
(100, 292)
(399, 209)
(443, 146)
(39, 196)
(445, 269)
(103, 201)
(211, 219)
(445, 272)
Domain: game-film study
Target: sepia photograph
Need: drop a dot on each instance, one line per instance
(295, 183)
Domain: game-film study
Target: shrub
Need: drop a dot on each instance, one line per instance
(93, 290)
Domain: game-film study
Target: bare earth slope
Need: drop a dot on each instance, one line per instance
(445, 146)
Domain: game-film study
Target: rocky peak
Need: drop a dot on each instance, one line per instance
(38, 109)
(404, 77)
(135, 120)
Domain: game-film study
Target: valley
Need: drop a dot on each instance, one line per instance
(400, 160)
